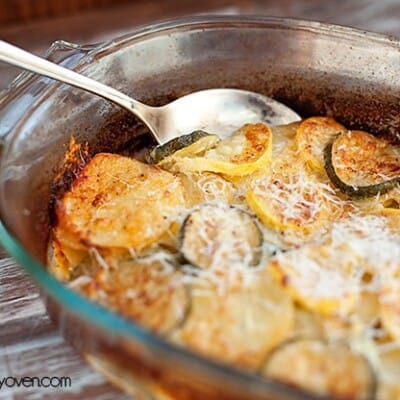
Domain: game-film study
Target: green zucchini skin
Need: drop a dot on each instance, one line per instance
(188, 252)
(158, 153)
(358, 192)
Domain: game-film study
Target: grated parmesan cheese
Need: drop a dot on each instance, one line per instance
(335, 259)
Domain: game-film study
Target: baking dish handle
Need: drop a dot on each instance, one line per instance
(23, 91)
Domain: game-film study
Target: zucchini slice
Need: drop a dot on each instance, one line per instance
(326, 369)
(240, 325)
(120, 202)
(248, 150)
(312, 136)
(362, 165)
(148, 290)
(191, 144)
(214, 235)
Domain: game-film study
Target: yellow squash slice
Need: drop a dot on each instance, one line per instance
(241, 325)
(317, 280)
(293, 201)
(325, 369)
(312, 136)
(246, 151)
(120, 202)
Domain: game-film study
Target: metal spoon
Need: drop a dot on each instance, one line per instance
(219, 111)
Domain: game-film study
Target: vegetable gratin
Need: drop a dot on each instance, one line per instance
(276, 246)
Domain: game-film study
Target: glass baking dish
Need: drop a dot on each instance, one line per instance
(314, 68)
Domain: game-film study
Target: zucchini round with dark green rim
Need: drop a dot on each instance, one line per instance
(311, 137)
(214, 235)
(355, 159)
(161, 152)
(322, 368)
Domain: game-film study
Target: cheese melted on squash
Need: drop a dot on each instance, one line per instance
(313, 280)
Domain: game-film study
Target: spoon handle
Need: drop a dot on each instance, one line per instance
(21, 58)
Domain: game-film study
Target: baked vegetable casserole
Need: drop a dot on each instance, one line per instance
(276, 250)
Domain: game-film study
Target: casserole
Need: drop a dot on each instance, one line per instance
(315, 68)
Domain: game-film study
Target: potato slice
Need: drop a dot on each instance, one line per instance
(324, 369)
(241, 154)
(120, 202)
(64, 253)
(57, 262)
(312, 136)
(240, 325)
(149, 291)
(207, 187)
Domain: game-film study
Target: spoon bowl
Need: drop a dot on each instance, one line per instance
(219, 111)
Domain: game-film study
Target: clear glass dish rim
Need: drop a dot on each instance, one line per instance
(209, 20)
(112, 323)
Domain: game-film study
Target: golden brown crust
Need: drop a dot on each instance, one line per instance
(329, 268)
(113, 199)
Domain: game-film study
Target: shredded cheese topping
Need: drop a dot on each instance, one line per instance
(332, 258)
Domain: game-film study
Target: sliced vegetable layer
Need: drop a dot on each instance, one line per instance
(195, 143)
(293, 202)
(246, 251)
(120, 202)
(241, 325)
(63, 259)
(316, 280)
(362, 165)
(241, 154)
(149, 291)
(207, 187)
(220, 236)
(325, 369)
(312, 136)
